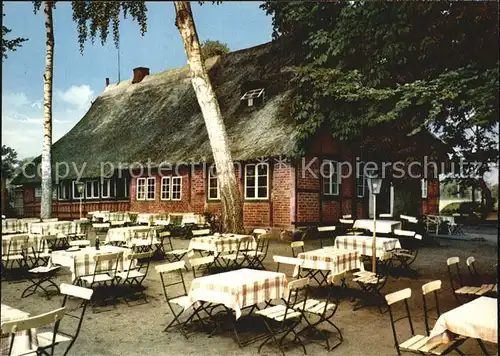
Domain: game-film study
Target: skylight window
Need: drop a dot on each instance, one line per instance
(253, 94)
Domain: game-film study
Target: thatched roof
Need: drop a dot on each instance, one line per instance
(159, 118)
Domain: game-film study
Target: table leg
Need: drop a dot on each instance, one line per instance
(483, 348)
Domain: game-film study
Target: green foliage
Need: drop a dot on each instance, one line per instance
(468, 208)
(12, 44)
(211, 48)
(363, 63)
(94, 18)
(9, 161)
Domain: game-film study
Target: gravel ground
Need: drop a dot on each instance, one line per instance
(137, 329)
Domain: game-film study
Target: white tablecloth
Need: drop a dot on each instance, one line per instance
(238, 289)
(476, 319)
(382, 226)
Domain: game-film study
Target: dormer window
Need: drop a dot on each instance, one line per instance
(254, 96)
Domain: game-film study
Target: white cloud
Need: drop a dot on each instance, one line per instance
(22, 118)
(79, 96)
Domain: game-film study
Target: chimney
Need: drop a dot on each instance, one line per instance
(107, 81)
(139, 74)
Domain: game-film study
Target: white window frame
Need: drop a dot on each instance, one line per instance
(424, 188)
(330, 178)
(39, 190)
(361, 177)
(173, 180)
(75, 189)
(210, 176)
(256, 177)
(61, 191)
(138, 183)
(164, 185)
(106, 182)
(148, 179)
(93, 195)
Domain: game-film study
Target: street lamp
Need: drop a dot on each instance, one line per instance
(80, 187)
(374, 184)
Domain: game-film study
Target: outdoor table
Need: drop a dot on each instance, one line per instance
(123, 234)
(238, 289)
(33, 241)
(63, 227)
(25, 340)
(382, 226)
(363, 244)
(81, 262)
(220, 243)
(329, 259)
(476, 319)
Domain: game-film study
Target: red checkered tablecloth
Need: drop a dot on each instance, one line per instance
(329, 259)
(363, 244)
(238, 289)
(221, 243)
(476, 319)
(81, 262)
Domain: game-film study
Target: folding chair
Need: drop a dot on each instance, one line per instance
(64, 335)
(174, 271)
(157, 243)
(297, 245)
(201, 263)
(468, 291)
(136, 272)
(142, 240)
(42, 248)
(323, 311)
(347, 226)
(416, 343)
(35, 322)
(476, 279)
(290, 261)
(174, 255)
(327, 230)
(234, 258)
(256, 257)
(14, 252)
(406, 257)
(372, 283)
(284, 318)
(105, 267)
(38, 276)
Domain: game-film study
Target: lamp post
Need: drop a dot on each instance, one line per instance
(374, 184)
(80, 186)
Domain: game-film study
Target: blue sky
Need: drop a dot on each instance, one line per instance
(79, 79)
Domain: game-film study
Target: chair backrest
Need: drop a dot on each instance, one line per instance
(326, 228)
(347, 216)
(144, 233)
(297, 293)
(200, 232)
(106, 263)
(399, 232)
(75, 291)
(196, 263)
(392, 298)
(385, 215)
(346, 221)
(471, 266)
(291, 261)
(336, 279)
(16, 244)
(259, 231)
(33, 322)
(170, 271)
(101, 226)
(139, 261)
(297, 244)
(431, 287)
(450, 262)
(263, 244)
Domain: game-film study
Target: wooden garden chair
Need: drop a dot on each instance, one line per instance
(297, 245)
(281, 320)
(173, 255)
(327, 230)
(66, 334)
(416, 343)
(170, 276)
(235, 259)
(317, 312)
(142, 240)
(52, 318)
(14, 254)
(476, 279)
(136, 272)
(406, 256)
(38, 276)
(256, 257)
(460, 289)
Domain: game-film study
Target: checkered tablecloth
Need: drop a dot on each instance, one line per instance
(81, 262)
(221, 243)
(16, 246)
(24, 341)
(13, 226)
(63, 227)
(329, 259)
(124, 234)
(382, 226)
(363, 244)
(238, 289)
(476, 319)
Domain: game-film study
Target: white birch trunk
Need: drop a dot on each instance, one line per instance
(46, 202)
(232, 207)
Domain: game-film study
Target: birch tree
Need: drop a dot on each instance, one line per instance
(95, 17)
(46, 199)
